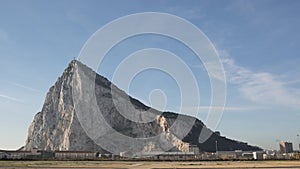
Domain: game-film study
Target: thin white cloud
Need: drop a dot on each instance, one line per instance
(25, 87)
(216, 70)
(10, 98)
(260, 87)
(215, 108)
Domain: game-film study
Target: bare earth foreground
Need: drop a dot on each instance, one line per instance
(149, 165)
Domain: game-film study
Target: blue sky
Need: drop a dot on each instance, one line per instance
(257, 40)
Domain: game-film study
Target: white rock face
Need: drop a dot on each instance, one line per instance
(179, 144)
(57, 127)
(60, 124)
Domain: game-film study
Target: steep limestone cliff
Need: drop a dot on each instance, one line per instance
(57, 126)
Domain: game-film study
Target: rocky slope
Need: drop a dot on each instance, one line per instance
(59, 127)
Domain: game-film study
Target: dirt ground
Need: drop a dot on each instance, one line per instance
(149, 165)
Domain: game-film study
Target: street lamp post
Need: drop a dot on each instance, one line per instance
(216, 146)
(298, 141)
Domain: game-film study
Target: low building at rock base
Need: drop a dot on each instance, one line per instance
(17, 155)
(75, 155)
(239, 155)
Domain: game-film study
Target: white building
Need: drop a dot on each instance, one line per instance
(258, 155)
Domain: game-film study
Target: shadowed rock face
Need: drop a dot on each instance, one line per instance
(57, 126)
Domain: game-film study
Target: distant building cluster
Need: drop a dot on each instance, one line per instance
(285, 147)
(193, 153)
(47, 155)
